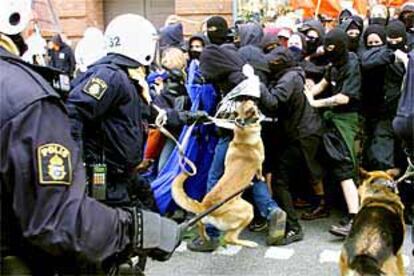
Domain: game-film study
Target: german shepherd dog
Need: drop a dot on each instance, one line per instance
(243, 162)
(373, 247)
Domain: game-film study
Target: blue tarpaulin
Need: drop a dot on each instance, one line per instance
(199, 148)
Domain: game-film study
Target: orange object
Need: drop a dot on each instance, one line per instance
(327, 7)
(361, 6)
(155, 143)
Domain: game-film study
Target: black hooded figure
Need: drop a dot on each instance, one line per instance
(300, 128)
(407, 17)
(62, 57)
(249, 34)
(344, 15)
(381, 89)
(193, 52)
(353, 25)
(217, 30)
(314, 63)
(172, 36)
(395, 30)
(343, 82)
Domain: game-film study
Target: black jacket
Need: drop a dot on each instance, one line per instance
(64, 59)
(286, 100)
(381, 83)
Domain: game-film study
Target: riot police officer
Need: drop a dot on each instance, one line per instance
(106, 107)
(48, 225)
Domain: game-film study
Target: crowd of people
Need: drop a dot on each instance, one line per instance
(86, 172)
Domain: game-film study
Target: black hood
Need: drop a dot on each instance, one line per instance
(396, 29)
(280, 60)
(198, 36)
(57, 39)
(353, 22)
(375, 29)
(222, 64)
(172, 36)
(344, 15)
(256, 58)
(250, 34)
(313, 25)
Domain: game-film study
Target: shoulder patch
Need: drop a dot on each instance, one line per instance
(96, 88)
(54, 165)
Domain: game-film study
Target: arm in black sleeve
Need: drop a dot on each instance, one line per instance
(378, 56)
(49, 194)
(352, 81)
(271, 98)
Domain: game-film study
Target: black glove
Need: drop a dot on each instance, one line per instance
(153, 235)
(197, 116)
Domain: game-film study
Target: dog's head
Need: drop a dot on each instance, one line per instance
(378, 184)
(248, 115)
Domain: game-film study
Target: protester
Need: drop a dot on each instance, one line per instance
(61, 55)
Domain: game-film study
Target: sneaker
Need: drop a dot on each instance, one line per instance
(341, 230)
(258, 225)
(200, 245)
(292, 235)
(345, 220)
(316, 213)
(277, 226)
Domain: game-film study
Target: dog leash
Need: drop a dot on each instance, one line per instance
(408, 173)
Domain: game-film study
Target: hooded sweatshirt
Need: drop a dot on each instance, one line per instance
(250, 34)
(172, 36)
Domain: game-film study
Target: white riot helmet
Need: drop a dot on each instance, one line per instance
(90, 48)
(14, 15)
(133, 36)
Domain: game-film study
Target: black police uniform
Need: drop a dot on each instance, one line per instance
(45, 213)
(48, 224)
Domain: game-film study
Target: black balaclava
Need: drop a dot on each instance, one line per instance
(344, 15)
(375, 29)
(336, 46)
(407, 16)
(280, 60)
(396, 29)
(217, 30)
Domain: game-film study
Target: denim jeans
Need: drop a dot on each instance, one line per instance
(261, 193)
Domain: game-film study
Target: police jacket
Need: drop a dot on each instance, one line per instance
(106, 114)
(45, 213)
(64, 59)
(382, 80)
(285, 99)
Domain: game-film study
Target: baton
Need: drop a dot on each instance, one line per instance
(197, 218)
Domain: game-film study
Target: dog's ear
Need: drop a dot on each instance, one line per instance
(363, 173)
(393, 172)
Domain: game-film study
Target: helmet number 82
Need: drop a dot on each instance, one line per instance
(114, 41)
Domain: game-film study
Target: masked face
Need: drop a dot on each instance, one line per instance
(196, 48)
(312, 41)
(395, 43)
(374, 40)
(295, 41)
(353, 39)
(408, 20)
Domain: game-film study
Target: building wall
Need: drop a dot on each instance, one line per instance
(197, 11)
(77, 15)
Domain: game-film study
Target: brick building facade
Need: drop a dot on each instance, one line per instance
(76, 15)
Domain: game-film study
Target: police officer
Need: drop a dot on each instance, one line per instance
(106, 107)
(48, 225)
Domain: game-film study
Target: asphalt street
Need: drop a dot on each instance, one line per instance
(316, 255)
